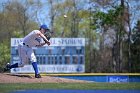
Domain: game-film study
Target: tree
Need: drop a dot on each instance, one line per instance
(135, 49)
(118, 17)
(4, 54)
(69, 26)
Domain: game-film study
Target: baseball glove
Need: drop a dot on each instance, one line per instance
(48, 35)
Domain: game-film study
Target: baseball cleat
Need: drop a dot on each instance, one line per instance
(7, 67)
(37, 76)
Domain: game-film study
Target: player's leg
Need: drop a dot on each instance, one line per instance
(33, 59)
(22, 57)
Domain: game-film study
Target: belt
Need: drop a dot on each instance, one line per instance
(25, 45)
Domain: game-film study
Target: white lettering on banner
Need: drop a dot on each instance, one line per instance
(50, 69)
(67, 41)
(56, 41)
(118, 79)
(15, 41)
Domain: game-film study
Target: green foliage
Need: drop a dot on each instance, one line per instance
(104, 21)
(109, 18)
(4, 54)
(77, 21)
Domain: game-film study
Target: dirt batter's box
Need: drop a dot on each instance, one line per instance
(64, 55)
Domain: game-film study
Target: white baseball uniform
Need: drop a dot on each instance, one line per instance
(25, 50)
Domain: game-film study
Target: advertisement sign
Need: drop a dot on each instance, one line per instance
(118, 79)
(64, 55)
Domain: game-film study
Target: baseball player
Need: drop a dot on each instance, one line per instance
(33, 39)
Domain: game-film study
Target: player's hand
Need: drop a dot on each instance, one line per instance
(48, 43)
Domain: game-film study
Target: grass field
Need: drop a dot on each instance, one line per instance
(5, 88)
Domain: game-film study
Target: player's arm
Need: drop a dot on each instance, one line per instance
(44, 38)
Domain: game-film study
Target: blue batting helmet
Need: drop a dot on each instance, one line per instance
(44, 27)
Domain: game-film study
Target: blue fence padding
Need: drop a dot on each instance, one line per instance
(105, 78)
(134, 78)
(87, 78)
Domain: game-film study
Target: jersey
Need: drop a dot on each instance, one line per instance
(32, 39)
(25, 50)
